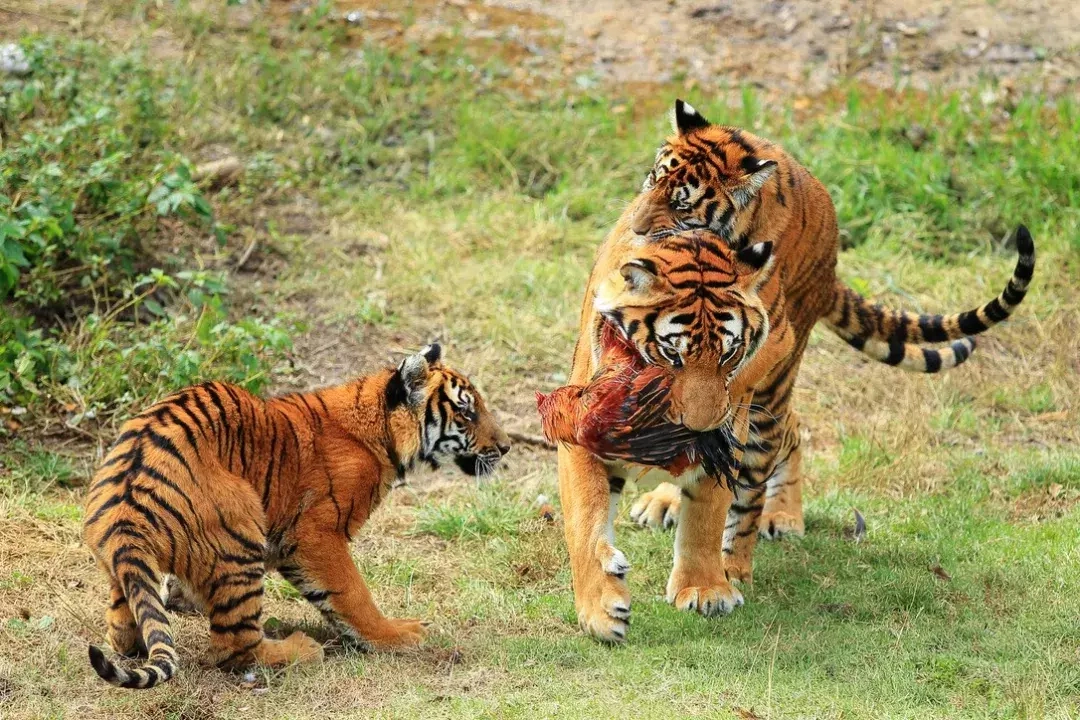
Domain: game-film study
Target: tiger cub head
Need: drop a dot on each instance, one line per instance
(455, 423)
(706, 176)
(690, 303)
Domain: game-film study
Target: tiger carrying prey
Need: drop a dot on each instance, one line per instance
(214, 487)
(676, 276)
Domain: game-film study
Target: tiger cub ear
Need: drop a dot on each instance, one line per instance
(684, 118)
(756, 173)
(407, 385)
(756, 256)
(635, 284)
(432, 353)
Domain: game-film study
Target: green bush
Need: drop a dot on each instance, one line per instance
(87, 181)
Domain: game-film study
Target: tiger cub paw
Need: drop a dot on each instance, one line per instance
(297, 648)
(658, 509)
(398, 633)
(775, 525)
(125, 641)
(178, 597)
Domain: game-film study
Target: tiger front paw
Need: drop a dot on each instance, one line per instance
(658, 509)
(603, 600)
(604, 609)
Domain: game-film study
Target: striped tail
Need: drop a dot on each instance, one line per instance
(141, 588)
(893, 336)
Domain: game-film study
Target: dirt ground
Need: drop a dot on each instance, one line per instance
(804, 46)
(783, 48)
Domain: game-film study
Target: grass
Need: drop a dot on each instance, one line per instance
(397, 193)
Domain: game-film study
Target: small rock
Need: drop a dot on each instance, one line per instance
(838, 22)
(711, 11)
(888, 44)
(354, 17)
(908, 30)
(1011, 54)
(219, 173)
(916, 134)
(13, 60)
(973, 51)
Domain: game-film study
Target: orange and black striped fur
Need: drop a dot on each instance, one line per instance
(713, 189)
(214, 487)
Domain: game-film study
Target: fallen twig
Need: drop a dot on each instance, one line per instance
(244, 256)
(535, 440)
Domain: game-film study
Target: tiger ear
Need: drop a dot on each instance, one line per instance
(684, 118)
(756, 173)
(407, 385)
(639, 275)
(635, 284)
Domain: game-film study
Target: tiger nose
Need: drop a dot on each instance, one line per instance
(703, 419)
(503, 448)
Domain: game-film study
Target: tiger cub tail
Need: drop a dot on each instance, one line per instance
(135, 572)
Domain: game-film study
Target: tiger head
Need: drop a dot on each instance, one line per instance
(455, 423)
(705, 176)
(689, 303)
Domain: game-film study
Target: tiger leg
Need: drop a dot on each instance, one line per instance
(233, 593)
(783, 513)
(740, 530)
(698, 581)
(658, 508)
(123, 633)
(324, 572)
(179, 597)
(598, 568)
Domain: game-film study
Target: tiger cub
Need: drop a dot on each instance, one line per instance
(216, 487)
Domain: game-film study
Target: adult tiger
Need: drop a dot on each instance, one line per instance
(748, 194)
(214, 487)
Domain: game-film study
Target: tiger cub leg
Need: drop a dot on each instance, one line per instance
(324, 572)
(698, 580)
(122, 634)
(233, 593)
(179, 598)
(783, 513)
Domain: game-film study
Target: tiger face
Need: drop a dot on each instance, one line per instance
(456, 425)
(689, 303)
(704, 176)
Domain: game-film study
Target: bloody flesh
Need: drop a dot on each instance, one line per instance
(623, 414)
